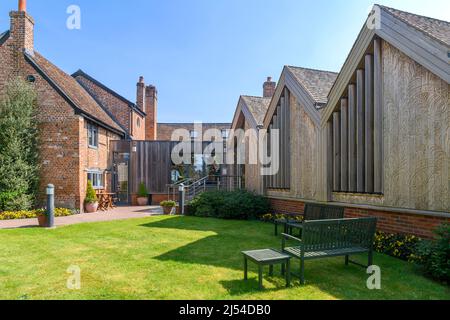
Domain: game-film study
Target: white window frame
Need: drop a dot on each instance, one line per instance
(97, 178)
(93, 136)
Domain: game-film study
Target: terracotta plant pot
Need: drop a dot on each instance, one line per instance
(142, 201)
(168, 210)
(91, 207)
(42, 219)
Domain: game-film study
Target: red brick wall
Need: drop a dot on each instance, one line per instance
(391, 222)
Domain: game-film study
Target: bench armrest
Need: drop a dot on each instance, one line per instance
(289, 237)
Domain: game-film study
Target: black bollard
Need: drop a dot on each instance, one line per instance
(51, 205)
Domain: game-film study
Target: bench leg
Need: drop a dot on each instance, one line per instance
(288, 273)
(302, 271)
(283, 269)
(347, 260)
(271, 271)
(276, 229)
(260, 277)
(245, 269)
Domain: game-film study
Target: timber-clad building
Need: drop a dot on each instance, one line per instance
(374, 138)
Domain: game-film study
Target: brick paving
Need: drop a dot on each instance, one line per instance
(120, 213)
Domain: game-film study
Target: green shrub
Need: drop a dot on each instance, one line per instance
(91, 196)
(169, 204)
(433, 257)
(396, 245)
(19, 169)
(142, 192)
(239, 205)
(14, 215)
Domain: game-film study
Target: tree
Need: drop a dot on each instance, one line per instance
(19, 169)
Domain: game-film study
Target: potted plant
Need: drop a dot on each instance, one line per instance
(142, 198)
(42, 218)
(168, 206)
(91, 200)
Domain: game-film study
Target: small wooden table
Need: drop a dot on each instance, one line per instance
(268, 257)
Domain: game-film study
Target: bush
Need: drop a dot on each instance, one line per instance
(271, 217)
(91, 196)
(14, 215)
(142, 192)
(396, 245)
(240, 205)
(168, 204)
(19, 169)
(433, 257)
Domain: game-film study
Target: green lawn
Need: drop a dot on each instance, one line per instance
(180, 258)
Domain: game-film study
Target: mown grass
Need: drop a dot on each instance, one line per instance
(180, 258)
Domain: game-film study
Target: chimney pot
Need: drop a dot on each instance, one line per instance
(141, 79)
(23, 5)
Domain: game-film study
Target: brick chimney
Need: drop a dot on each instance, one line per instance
(22, 28)
(269, 88)
(151, 109)
(140, 94)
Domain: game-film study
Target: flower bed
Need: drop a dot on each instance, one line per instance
(30, 214)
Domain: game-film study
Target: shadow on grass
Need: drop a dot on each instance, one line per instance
(329, 275)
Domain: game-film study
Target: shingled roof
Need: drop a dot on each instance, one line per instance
(317, 83)
(437, 29)
(74, 93)
(258, 107)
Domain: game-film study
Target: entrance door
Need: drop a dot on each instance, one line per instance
(122, 186)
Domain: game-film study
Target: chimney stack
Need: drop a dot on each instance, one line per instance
(22, 28)
(151, 109)
(269, 88)
(140, 94)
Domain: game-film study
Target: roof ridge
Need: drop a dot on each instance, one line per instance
(414, 14)
(250, 96)
(311, 69)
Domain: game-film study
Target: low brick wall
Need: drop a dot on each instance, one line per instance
(391, 222)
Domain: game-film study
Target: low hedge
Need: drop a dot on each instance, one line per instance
(396, 245)
(16, 215)
(239, 205)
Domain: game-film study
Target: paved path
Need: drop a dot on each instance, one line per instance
(120, 213)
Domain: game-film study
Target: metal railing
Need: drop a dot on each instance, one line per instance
(207, 183)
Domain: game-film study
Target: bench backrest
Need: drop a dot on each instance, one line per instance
(322, 212)
(338, 234)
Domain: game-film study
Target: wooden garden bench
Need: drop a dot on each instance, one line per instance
(332, 238)
(312, 212)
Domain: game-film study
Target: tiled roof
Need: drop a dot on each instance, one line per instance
(4, 36)
(72, 90)
(258, 107)
(81, 74)
(437, 29)
(318, 83)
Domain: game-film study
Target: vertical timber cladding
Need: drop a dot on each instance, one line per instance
(151, 163)
(281, 121)
(358, 130)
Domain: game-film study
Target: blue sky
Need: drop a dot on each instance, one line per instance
(202, 54)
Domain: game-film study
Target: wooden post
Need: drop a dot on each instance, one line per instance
(283, 150)
(369, 165)
(336, 152)
(378, 119)
(360, 128)
(344, 145)
(287, 104)
(352, 187)
(329, 159)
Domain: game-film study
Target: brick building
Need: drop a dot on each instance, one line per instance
(77, 115)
